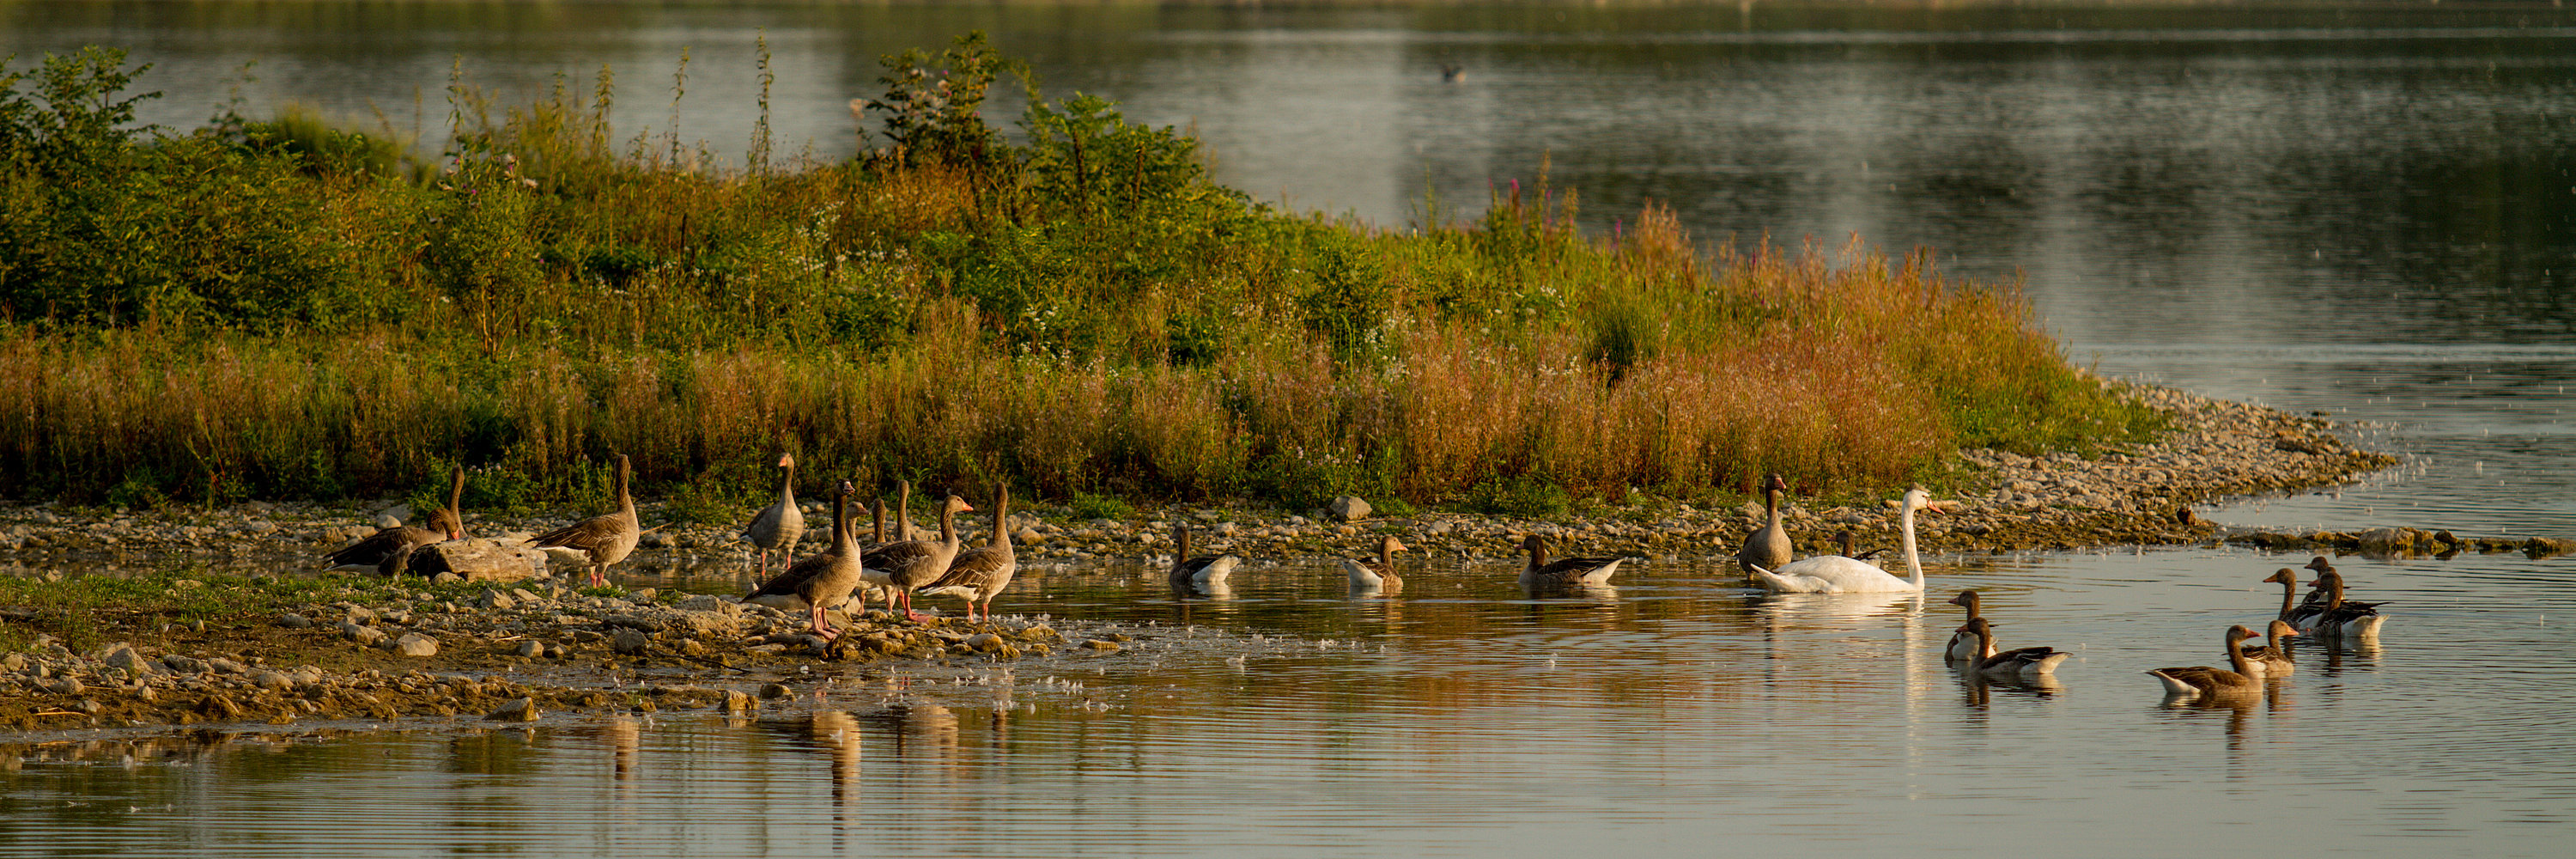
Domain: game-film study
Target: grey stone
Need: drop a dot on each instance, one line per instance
(63, 686)
(1348, 508)
(445, 579)
(366, 636)
(271, 680)
(295, 621)
(226, 666)
(518, 710)
(530, 650)
(496, 601)
(704, 602)
(476, 559)
(775, 690)
(388, 520)
(414, 644)
(629, 641)
(123, 656)
(13, 662)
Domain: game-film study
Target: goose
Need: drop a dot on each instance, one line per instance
(779, 525)
(2270, 658)
(1376, 575)
(2289, 582)
(1835, 574)
(1204, 571)
(903, 565)
(2022, 661)
(2338, 618)
(981, 573)
(388, 551)
(1843, 539)
(1541, 574)
(2204, 681)
(607, 538)
(823, 579)
(871, 588)
(450, 520)
(1964, 645)
(1767, 546)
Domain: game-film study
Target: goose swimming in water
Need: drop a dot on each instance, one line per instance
(2202, 681)
(2021, 661)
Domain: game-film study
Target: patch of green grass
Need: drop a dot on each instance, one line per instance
(1086, 506)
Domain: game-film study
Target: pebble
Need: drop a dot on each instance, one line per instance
(294, 621)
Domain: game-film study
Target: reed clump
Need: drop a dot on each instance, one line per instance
(1085, 314)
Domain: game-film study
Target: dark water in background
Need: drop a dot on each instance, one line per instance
(2364, 212)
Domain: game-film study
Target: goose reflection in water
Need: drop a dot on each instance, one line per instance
(625, 740)
(922, 733)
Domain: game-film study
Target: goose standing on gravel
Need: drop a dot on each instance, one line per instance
(1544, 575)
(1965, 645)
(780, 524)
(1205, 572)
(2272, 657)
(2335, 617)
(2202, 681)
(1767, 546)
(389, 549)
(2020, 661)
(607, 538)
(1378, 575)
(981, 573)
(904, 565)
(1835, 574)
(822, 580)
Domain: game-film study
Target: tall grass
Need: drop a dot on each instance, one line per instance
(1085, 315)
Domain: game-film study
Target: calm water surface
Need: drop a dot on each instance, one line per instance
(2359, 211)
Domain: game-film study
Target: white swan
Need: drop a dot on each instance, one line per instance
(1835, 574)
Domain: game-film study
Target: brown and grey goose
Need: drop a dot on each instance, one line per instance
(822, 580)
(2335, 617)
(779, 525)
(1378, 575)
(2021, 661)
(2272, 657)
(607, 538)
(981, 573)
(1204, 572)
(904, 565)
(1767, 546)
(389, 550)
(1965, 645)
(2202, 681)
(1542, 574)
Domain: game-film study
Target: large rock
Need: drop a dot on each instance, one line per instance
(1348, 508)
(479, 560)
(414, 644)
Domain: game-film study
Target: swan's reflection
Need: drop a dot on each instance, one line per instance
(1835, 611)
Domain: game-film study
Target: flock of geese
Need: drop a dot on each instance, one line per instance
(895, 570)
(2323, 614)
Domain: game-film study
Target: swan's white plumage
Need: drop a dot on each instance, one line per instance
(1835, 574)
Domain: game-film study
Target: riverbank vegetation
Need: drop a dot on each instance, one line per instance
(283, 308)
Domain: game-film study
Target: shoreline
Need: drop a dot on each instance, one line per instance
(513, 651)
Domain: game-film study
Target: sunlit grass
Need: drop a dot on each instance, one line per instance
(542, 299)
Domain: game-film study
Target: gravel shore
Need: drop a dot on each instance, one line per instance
(515, 650)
